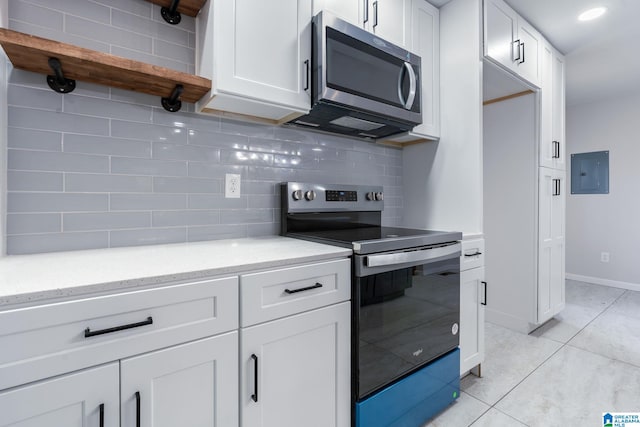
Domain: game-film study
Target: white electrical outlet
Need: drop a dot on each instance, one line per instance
(604, 256)
(232, 186)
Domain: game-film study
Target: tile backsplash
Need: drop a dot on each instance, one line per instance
(103, 167)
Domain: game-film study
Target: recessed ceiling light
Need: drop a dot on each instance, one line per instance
(590, 14)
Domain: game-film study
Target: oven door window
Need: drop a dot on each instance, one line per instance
(407, 318)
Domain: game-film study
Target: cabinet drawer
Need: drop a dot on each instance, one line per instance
(278, 293)
(42, 341)
(472, 254)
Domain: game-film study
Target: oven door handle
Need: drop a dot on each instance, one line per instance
(411, 256)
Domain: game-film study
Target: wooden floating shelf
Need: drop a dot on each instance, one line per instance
(188, 7)
(32, 53)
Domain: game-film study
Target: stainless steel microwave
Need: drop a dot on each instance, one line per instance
(361, 85)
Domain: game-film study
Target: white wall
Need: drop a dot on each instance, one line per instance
(4, 6)
(443, 180)
(606, 222)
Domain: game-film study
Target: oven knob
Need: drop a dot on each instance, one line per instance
(371, 196)
(310, 195)
(379, 196)
(297, 195)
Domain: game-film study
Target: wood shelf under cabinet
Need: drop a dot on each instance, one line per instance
(188, 7)
(32, 53)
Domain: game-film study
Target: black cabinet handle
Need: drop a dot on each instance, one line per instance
(556, 149)
(137, 409)
(254, 396)
(102, 415)
(474, 254)
(556, 187)
(366, 12)
(517, 43)
(523, 51)
(89, 333)
(485, 293)
(375, 14)
(306, 64)
(308, 288)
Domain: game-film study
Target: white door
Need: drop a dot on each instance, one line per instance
(472, 306)
(296, 371)
(547, 146)
(425, 42)
(500, 33)
(264, 50)
(531, 42)
(558, 119)
(193, 384)
(347, 10)
(551, 256)
(390, 20)
(86, 398)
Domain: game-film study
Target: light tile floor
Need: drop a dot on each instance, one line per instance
(581, 363)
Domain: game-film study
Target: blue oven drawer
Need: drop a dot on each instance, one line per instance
(414, 399)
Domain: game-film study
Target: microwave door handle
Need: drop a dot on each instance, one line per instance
(408, 103)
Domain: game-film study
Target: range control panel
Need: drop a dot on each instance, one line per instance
(308, 197)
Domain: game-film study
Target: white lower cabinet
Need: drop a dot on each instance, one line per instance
(193, 384)
(295, 371)
(85, 398)
(472, 302)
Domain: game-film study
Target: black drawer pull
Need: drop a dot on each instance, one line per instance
(254, 396)
(308, 288)
(102, 415)
(137, 408)
(475, 254)
(89, 333)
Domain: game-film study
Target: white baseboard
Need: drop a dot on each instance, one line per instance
(604, 282)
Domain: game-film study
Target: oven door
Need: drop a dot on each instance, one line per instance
(406, 308)
(357, 69)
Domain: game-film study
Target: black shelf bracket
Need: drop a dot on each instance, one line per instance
(172, 103)
(58, 82)
(171, 14)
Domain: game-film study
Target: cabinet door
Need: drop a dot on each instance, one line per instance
(500, 33)
(547, 146)
(390, 20)
(425, 42)
(531, 43)
(551, 246)
(558, 108)
(347, 10)
(263, 47)
(194, 384)
(72, 400)
(296, 371)
(472, 300)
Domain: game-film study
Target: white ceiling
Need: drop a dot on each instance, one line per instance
(602, 56)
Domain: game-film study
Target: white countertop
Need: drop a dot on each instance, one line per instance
(32, 278)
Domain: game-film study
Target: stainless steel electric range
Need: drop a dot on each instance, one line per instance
(405, 301)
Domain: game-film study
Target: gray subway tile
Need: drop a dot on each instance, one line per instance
(99, 107)
(215, 201)
(53, 121)
(150, 59)
(133, 166)
(141, 24)
(91, 144)
(33, 223)
(239, 157)
(137, 202)
(36, 98)
(216, 139)
(185, 217)
(148, 132)
(288, 161)
(248, 129)
(246, 216)
(173, 51)
(103, 183)
(89, 10)
(136, 7)
(215, 170)
(114, 36)
(260, 187)
(133, 97)
(56, 242)
(36, 15)
(59, 36)
(188, 23)
(34, 139)
(258, 201)
(267, 229)
(186, 185)
(54, 161)
(92, 89)
(186, 120)
(34, 181)
(56, 202)
(154, 236)
(105, 221)
(216, 232)
(195, 153)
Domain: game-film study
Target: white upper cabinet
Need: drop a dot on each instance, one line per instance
(351, 11)
(511, 41)
(258, 56)
(558, 108)
(552, 109)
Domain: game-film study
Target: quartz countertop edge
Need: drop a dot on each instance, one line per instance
(34, 279)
